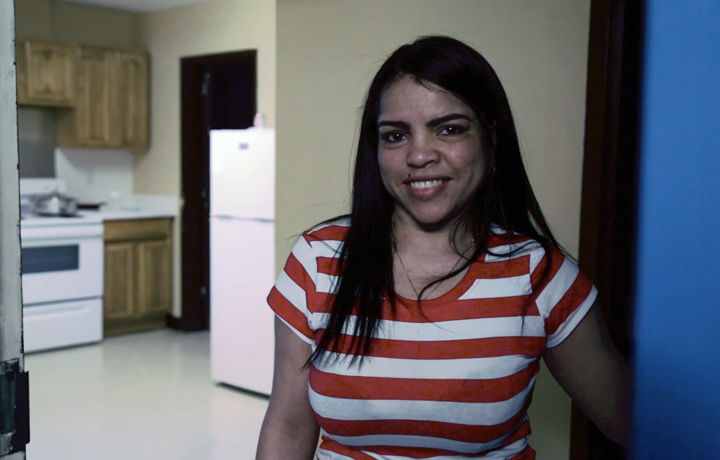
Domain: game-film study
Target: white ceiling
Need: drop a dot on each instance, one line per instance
(137, 5)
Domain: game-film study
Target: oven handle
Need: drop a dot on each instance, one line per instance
(57, 233)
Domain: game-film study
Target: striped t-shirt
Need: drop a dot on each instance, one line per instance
(451, 382)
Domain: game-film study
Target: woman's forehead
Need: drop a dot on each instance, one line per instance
(408, 96)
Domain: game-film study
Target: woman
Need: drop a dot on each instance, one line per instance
(414, 327)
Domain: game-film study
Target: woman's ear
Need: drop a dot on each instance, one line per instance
(493, 134)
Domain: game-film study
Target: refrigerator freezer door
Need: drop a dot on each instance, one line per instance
(242, 173)
(242, 259)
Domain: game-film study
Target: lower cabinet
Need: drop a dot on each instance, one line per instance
(138, 275)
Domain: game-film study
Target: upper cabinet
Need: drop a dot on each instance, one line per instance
(93, 123)
(46, 73)
(108, 92)
(133, 100)
(112, 103)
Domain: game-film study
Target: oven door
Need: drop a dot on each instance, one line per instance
(62, 263)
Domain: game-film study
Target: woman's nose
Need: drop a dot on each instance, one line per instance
(422, 153)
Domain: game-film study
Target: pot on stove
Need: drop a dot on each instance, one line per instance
(55, 204)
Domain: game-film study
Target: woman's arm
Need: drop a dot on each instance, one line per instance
(289, 429)
(589, 368)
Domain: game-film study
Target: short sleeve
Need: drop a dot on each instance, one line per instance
(564, 299)
(295, 284)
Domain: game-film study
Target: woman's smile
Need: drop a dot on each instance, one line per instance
(425, 184)
(426, 189)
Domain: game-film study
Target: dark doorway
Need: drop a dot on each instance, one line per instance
(610, 183)
(218, 92)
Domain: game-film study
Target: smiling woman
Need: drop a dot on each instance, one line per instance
(430, 157)
(414, 327)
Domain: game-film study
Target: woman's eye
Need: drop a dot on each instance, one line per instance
(392, 137)
(453, 130)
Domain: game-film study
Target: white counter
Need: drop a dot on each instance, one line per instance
(142, 207)
(127, 214)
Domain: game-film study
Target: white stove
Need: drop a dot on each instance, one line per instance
(36, 221)
(62, 275)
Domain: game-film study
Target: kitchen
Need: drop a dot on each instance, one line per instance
(319, 98)
(97, 259)
(139, 229)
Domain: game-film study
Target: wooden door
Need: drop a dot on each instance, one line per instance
(96, 118)
(134, 92)
(609, 194)
(154, 275)
(50, 73)
(119, 300)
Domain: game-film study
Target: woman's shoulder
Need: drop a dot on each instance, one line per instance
(515, 244)
(316, 247)
(331, 230)
(508, 240)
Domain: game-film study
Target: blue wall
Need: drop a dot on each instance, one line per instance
(677, 319)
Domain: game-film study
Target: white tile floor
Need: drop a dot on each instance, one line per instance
(138, 396)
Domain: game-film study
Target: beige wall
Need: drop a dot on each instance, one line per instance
(328, 51)
(76, 23)
(215, 27)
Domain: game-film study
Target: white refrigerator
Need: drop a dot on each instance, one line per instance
(242, 256)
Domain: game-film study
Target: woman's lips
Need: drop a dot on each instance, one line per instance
(426, 188)
(422, 184)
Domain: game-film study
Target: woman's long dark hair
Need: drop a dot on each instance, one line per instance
(504, 199)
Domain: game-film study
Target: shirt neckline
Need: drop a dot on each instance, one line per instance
(451, 296)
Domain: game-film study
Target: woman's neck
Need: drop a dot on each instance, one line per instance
(422, 257)
(449, 241)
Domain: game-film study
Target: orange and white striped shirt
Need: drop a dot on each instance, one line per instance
(452, 382)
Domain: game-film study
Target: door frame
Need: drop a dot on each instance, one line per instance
(195, 176)
(610, 184)
(11, 341)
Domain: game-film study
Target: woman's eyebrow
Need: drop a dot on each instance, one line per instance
(453, 116)
(394, 124)
(430, 124)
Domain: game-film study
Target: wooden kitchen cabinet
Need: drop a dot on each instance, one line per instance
(46, 73)
(119, 287)
(154, 276)
(112, 103)
(138, 275)
(133, 99)
(93, 123)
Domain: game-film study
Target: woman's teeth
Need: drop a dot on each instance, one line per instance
(426, 183)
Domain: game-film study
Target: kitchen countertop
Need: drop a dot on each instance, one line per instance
(143, 207)
(128, 214)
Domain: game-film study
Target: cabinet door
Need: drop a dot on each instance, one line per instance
(133, 99)
(119, 291)
(50, 77)
(96, 120)
(154, 275)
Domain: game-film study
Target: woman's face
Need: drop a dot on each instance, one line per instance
(429, 151)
